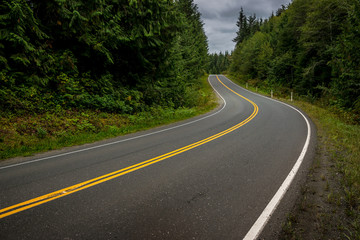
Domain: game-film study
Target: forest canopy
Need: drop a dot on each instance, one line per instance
(115, 56)
(218, 62)
(309, 46)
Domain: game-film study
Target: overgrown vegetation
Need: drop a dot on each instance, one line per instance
(31, 133)
(333, 208)
(219, 62)
(309, 47)
(69, 69)
(115, 56)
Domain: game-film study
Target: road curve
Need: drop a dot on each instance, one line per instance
(207, 178)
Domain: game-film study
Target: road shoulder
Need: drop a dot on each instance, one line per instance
(274, 227)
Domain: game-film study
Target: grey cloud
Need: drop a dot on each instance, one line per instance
(220, 18)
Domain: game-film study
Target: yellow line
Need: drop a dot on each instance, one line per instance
(95, 181)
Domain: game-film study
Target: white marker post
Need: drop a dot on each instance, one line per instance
(272, 94)
(291, 98)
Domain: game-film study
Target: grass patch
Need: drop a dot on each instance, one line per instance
(33, 133)
(340, 140)
(343, 147)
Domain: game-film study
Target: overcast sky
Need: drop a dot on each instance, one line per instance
(220, 17)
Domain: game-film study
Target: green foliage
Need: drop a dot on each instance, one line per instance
(346, 61)
(310, 46)
(342, 145)
(247, 27)
(28, 134)
(115, 56)
(219, 63)
(41, 133)
(251, 58)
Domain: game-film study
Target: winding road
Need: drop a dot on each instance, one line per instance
(217, 176)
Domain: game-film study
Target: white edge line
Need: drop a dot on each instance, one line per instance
(124, 140)
(265, 216)
(260, 223)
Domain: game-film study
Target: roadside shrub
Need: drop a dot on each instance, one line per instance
(41, 133)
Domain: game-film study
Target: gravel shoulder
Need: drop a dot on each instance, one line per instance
(320, 210)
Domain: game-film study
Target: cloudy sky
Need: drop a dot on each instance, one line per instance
(220, 17)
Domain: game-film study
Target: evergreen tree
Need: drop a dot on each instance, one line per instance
(242, 26)
(247, 26)
(218, 63)
(309, 46)
(121, 56)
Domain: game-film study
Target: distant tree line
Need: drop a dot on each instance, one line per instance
(219, 62)
(311, 46)
(117, 56)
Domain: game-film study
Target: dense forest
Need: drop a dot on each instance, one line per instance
(309, 46)
(124, 56)
(114, 56)
(218, 62)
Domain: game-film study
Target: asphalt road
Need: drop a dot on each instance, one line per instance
(206, 178)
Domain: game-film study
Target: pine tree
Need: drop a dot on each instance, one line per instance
(242, 26)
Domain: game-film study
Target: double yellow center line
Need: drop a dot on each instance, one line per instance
(95, 181)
